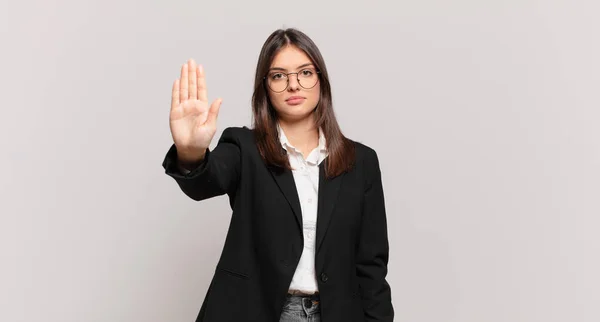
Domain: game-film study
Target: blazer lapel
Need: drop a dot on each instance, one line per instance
(328, 193)
(285, 181)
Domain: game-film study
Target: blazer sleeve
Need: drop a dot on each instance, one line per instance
(217, 174)
(373, 248)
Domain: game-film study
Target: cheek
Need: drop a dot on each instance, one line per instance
(315, 94)
(277, 100)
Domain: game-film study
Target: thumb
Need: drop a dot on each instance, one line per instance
(213, 112)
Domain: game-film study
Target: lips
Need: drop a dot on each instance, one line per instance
(295, 100)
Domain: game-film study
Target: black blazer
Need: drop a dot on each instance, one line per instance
(265, 238)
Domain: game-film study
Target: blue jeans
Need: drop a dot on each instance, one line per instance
(301, 309)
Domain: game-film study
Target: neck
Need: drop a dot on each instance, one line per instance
(302, 134)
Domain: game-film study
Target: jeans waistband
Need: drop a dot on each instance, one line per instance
(313, 297)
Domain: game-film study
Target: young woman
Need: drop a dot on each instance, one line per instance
(307, 239)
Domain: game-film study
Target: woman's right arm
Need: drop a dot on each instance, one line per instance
(216, 174)
(193, 125)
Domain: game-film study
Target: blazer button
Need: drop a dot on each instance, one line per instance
(324, 277)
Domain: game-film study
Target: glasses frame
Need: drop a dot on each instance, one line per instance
(287, 76)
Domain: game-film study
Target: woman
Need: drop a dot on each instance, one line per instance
(307, 239)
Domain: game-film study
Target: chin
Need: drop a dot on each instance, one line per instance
(295, 112)
(296, 116)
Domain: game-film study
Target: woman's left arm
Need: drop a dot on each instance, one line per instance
(373, 248)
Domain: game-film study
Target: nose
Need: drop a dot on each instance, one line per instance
(293, 84)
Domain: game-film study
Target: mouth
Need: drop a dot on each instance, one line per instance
(295, 100)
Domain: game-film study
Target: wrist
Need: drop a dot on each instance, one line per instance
(190, 159)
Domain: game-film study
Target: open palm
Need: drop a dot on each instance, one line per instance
(192, 122)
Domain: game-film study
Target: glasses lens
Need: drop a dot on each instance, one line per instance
(308, 78)
(277, 82)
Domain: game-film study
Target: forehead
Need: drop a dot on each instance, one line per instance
(290, 57)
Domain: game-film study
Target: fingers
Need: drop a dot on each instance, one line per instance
(192, 87)
(175, 94)
(213, 112)
(201, 84)
(192, 83)
(183, 83)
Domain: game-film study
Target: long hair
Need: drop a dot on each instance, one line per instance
(341, 154)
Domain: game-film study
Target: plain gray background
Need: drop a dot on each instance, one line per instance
(484, 115)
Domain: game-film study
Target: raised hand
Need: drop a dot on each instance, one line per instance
(192, 122)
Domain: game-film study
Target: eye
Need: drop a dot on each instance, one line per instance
(306, 72)
(276, 76)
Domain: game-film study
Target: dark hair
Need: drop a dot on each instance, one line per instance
(340, 149)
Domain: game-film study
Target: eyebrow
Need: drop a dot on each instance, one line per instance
(279, 68)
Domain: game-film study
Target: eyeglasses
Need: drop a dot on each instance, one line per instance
(279, 81)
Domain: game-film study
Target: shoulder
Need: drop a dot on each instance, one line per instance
(238, 131)
(367, 165)
(367, 162)
(240, 135)
(365, 154)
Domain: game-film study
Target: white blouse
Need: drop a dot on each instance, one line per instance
(306, 178)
